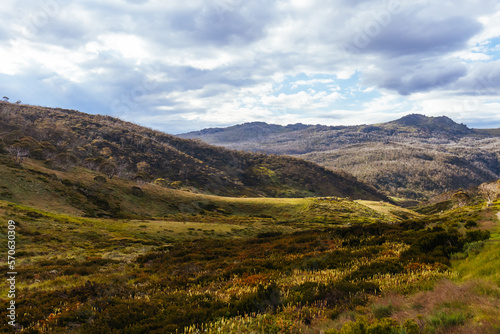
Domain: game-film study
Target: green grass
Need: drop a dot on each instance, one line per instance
(483, 264)
(444, 320)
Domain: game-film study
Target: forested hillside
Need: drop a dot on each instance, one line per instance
(413, 157)
(64, 139)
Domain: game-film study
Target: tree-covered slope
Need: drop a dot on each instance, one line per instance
(65, 139)
(415, 156)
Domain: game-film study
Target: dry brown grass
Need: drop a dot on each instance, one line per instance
(478, 300)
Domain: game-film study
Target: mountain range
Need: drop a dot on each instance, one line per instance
(413, 157)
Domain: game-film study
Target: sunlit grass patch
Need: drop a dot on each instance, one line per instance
(484, 263)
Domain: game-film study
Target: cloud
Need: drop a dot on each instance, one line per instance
(481, 79)
(206, 63)
(480, 111)
(407, 77)
(239, 23)
(4, 35)
(311, 82)
(410, 34)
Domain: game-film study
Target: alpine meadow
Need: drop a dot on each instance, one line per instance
(123, 229)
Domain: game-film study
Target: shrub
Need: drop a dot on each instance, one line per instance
(385, 267)
(477, 235)
(161, 182)
(443, 319)
(470, 223)
(108, 167)
(382, 311)
(382, 326)
(305, 293)
(267, 298)
(473, 248)
(411, 326)
(176, 184)
(100, 179)
(136, 191)
(354, 327)
(65, 160)
(269, 234)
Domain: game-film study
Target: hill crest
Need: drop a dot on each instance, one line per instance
(433, 124)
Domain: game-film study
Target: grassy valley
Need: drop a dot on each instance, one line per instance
(312, 265)
(108, 247)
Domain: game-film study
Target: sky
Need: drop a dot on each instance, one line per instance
(180, 66)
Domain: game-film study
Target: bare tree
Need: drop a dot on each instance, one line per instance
(108, 167)
(490, 191)
(18, 153)
(123, 169)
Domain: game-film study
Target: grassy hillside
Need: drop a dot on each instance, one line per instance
(413, 157)
(113, 257)
(65, 139)
(82, 192)
(241, 272)
(245, 132)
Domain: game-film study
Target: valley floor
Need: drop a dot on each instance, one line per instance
(348, 267)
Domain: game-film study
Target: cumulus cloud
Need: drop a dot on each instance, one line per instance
(406, 76)
(182, 65)
(413, 35)
(481, 79)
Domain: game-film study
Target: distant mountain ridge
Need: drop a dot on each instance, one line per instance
(415, 156)
(428, 127)
(247, 131)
